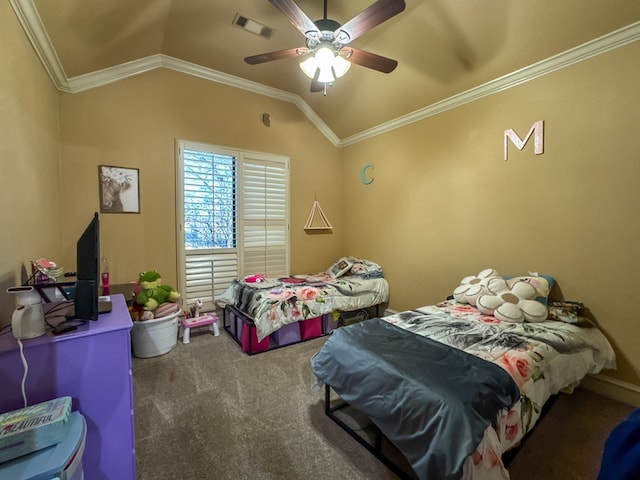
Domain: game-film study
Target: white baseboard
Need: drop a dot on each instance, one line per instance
(613, 388)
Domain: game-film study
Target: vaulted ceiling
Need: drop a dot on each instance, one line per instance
(443, 47)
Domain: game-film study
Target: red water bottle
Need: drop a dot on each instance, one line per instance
(105, 276)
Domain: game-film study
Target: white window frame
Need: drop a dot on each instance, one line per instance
(241, 156)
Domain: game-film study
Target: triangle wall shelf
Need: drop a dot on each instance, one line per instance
(317, 219)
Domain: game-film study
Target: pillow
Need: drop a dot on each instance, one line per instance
(473, 286)
(365, 268)
(542, 284)
(339, 268)
(165, 309)
(511, 303)
(568, 312)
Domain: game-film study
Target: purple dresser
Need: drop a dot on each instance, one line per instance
(92, 365)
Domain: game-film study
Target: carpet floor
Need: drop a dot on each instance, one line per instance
(207, 410)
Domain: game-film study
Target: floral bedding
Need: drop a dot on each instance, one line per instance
(542, 358)
(273, 303)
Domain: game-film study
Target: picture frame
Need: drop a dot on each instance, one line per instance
(119, 189)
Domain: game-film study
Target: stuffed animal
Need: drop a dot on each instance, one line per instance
(151, 292)
(258, 277)
(195, 309)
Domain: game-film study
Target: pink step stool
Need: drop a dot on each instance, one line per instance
(188, 323)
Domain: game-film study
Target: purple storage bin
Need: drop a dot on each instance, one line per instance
(286, 335)
(329, 323)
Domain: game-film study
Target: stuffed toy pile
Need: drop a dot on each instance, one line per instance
(157, 300)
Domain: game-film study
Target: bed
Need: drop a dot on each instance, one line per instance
(453, 387)
(267, 306)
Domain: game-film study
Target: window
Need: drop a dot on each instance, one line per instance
(233, 218)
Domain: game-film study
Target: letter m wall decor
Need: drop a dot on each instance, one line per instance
(538, 139)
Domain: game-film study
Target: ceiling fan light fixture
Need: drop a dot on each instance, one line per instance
(326, 75)
(324, 57)
(330, 64)
(309, 66)
(340, 66)
(326, 39)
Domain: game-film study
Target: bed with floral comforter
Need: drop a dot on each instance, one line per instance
(541, 358)
(272, 303)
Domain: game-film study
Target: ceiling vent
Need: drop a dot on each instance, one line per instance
(252, 26)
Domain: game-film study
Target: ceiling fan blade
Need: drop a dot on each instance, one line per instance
(297, 17)
(370, 17)
(369, 60)
(316, 86)
(277, 55)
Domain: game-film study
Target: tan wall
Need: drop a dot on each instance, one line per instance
(135, 122)
(29, 166)
(444, 204)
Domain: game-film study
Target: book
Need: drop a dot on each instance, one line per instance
(32, 428)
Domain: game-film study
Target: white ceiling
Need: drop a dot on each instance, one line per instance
(446, 49)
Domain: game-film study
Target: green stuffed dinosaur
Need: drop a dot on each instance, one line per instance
(152, 292)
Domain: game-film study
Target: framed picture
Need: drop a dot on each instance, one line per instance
(119, 189)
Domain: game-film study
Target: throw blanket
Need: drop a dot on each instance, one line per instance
(445, 397)
(274, 303)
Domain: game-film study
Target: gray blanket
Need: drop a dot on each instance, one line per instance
(432, 401)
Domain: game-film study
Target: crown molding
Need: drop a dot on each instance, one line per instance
(254, 87)
(598, 46)
(32, 25)
(135, 67)
(113, 74)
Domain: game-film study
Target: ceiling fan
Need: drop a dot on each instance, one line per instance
(329, 57)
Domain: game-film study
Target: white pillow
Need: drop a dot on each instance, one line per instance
(474, 286)
(339, 268)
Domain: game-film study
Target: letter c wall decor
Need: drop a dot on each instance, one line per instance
(363, 175)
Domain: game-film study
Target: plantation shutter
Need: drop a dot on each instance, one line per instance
(265, 217)
(233, 219)
(209, 206)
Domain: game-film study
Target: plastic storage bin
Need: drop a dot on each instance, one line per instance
(62, 461)
(286, 335)
(249, 340)
(331, 321)
(310, 328)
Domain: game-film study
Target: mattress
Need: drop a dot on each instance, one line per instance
(274, 303)
(540, 358)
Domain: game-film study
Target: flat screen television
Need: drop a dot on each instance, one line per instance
(85, 298)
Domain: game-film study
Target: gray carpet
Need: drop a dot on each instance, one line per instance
(206, 410)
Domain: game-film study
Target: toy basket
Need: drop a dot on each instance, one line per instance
(151, 338)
